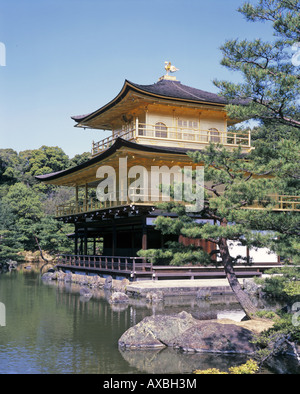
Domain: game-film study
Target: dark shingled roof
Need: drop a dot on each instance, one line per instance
(172, 90)
(175, 89)
(119, 143)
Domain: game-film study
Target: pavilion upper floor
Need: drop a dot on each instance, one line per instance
(166, 114)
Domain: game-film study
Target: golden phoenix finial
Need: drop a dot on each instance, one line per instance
(169, 67)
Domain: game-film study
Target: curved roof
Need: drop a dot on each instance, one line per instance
(119, 143)
(174, 89)
(163, 89)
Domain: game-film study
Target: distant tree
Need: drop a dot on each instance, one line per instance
(41, 161)
(52, 235)
(80, 158)
(58, 196)
(27, 207)
(24, 203)
(10, 237)
(9, 166)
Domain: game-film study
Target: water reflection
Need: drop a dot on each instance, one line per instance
(172, 361)
(52, 328)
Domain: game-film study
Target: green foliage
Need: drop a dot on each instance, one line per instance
(287, 327)
(249, 368)
(271, 90)
(236, 182)
(26, 205)
(284, 328)
(210, 371)
(10, 237)
(175, 253)
(271, 87)
(265, 314)
(286, 284)
(42, 161)
(79, 159)
(9, 166)
(51, 235)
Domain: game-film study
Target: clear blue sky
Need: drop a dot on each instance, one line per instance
(70, 57)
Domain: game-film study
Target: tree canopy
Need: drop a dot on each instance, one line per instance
(27, 206)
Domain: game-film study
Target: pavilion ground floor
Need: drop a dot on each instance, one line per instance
(108, 245)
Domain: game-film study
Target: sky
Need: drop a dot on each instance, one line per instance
(71, 57)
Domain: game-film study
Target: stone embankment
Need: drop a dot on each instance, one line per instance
(87, 283)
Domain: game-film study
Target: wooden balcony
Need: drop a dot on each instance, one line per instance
(93, 205)
(137, 268)
(276, 203)
(175, 136)
(131, 267)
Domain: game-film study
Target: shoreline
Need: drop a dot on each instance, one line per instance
(178, 287)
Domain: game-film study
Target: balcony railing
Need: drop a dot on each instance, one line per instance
(156, 134)
(279, 203)
(112, 263)
(112, 201)
(276, 203)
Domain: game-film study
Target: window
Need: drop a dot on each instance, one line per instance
(161, 130)
(188, 124)
(214, 135)
(142, 129)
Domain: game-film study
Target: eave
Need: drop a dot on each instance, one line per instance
(133, 96)
(85, 172)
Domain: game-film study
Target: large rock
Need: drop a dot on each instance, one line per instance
(156, 331)
(213, 337)
(252, 288)
(188, 334)
(118, 298)
(108, 283)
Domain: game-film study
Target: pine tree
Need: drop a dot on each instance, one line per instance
(235, 183)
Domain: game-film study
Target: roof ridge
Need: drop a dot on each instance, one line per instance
(185, 91)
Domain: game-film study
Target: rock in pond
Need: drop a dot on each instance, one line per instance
(108, 283)
(118, 298)
(86, 292)
(156, 331)
(183, 332)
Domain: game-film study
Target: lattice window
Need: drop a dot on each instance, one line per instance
(214, 135)
(161, 130)
(191, 124)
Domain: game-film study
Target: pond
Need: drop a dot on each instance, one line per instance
(50, 328)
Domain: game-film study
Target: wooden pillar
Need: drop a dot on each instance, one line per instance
(86, 197)
(85, 240)
(144, 235)
(132, 240)
(94, 246)
(114, 238)
(81, 246)
(76, 198)
(76, 241)
(248, 255)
